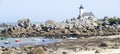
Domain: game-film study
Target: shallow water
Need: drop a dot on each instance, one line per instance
(27, 41)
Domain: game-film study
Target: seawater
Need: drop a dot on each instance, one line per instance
(27, 41)
(15, 23)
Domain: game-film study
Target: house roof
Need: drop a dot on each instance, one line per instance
(87, 14)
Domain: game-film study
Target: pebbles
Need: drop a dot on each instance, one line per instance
(79, 46)
(23, 50)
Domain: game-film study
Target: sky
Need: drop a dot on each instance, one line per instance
(59, 10)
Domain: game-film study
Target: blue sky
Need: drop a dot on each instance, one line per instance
(59, 10)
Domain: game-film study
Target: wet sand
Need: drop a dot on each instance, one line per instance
(82, 45)
(91, 45)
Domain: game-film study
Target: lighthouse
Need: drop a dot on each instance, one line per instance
(81, 10)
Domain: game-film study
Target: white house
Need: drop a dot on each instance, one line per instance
(86, 18)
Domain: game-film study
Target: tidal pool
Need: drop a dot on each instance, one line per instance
(27, 41)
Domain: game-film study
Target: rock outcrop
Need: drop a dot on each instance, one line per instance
(67, 28)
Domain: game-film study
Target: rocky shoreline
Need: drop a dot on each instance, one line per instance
(82, 35)
(51, 29)
(92, 45)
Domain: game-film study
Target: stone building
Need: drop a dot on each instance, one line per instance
(86, 18)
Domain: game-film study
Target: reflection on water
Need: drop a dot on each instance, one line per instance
(25, 41)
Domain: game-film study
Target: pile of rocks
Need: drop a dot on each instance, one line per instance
(23, 29)
(51, 28)
(23, 50)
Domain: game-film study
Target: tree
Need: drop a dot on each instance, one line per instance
(114, 20)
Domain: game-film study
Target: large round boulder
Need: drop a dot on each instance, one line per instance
(51, 23)
(38, 50)
(24, 23)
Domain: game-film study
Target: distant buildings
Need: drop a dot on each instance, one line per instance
(83, 15)
(84, 19)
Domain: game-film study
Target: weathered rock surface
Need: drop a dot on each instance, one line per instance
(38, 50)
(51, 28)
(67, 46)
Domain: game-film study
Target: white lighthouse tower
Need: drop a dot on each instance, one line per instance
(81, 10)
